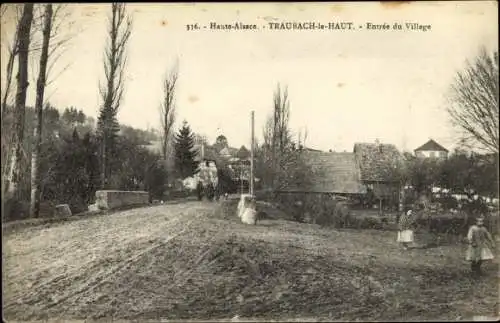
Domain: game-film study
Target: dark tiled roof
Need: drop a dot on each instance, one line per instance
(211, 152)
(431, 145)
(243, 153)
(333, 173)
(376, 161)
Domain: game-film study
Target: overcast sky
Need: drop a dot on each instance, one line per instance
(344, 86)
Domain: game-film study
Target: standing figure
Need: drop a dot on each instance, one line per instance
(405, 233)
(249, 215)
(199, 190)
(242, 204)
(480, 244)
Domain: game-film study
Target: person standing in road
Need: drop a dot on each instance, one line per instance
(405, 233)
(480, 245)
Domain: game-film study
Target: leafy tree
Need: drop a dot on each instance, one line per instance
(51, 122)
(72, 116)
(185, 163)
(458, 172)
(487, 175)
(73, 172)
(136, 136)
(470, 173)
(422, 174)
(156, 178)
(139, 169)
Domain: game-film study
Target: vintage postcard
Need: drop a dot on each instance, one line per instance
(250, 161)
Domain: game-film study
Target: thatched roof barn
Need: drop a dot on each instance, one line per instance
(377, 162)
(335, 173)
(368, 167)
(332, 173)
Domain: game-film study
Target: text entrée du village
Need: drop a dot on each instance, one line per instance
(311, 25)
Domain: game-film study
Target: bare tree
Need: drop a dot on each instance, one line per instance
(60, 35)
(3, 9)
(120, 27)
(302, 138)
(474, 102)
(12, 49)
(281, 133)
(267, 132)
(280, 130)
(23, 34)
(167, 107)
(37, 136)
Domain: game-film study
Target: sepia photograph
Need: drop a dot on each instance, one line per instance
(250, 162)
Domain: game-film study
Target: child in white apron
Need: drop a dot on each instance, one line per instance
(480, 245)
(405, 233)
(249, 215)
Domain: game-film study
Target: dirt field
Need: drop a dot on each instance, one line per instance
(195, 261)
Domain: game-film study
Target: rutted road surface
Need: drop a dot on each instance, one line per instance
(47, 267)
(195, 260)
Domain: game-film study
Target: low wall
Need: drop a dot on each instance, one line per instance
(107, 200)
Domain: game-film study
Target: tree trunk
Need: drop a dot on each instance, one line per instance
(401, 198)
(103, 160)
(37, 136)
(8, 82)
(23, 31)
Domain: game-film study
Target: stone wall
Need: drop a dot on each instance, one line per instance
(107, 200)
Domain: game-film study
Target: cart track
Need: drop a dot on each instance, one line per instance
(47, 266)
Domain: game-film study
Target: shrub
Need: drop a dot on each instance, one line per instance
(265, 195)
(321, 209)
(457, 224)
(366, 222)
(15, 209)
(447, 202)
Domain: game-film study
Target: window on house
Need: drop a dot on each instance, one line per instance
(432, 154)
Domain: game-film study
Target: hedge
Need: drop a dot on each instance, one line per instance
(456, 223)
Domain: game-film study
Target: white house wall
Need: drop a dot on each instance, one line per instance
(432, 153)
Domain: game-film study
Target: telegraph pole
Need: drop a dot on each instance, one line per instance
(202, 150)
(252, 155)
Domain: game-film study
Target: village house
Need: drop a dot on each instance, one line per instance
(378, 164)
(367, 171)
(431, 149)
(334, 173)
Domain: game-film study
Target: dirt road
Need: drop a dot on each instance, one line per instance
(44, 267)
(195, 260)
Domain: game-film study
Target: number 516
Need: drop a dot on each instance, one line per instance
(192, 27)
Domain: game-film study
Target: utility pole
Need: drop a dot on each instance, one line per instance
(202, 150)
(252, 155)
